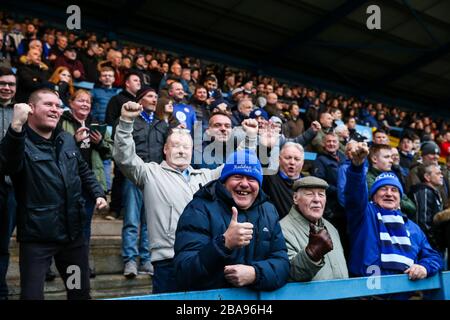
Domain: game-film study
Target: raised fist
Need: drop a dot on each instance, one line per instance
(359, 153)
(250, 127)
(20, 116)
(130, 110)
(315, 125)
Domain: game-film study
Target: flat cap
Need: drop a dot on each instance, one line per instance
(310, 182)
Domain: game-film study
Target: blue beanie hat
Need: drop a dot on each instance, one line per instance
(260, 112)
(386, 179)
(242, 162)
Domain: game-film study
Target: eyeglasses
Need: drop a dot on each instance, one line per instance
(4, 84)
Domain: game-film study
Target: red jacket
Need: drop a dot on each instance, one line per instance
(72, 65)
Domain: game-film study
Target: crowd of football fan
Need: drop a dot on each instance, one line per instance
(205, 164)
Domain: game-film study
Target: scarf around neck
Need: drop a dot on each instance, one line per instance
(396, 251)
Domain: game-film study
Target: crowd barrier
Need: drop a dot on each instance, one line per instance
(437, 288)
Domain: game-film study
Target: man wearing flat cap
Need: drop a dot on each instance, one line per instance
(313, 243)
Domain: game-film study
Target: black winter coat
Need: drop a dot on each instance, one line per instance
(150, 139)
(115, 107)
(200, 254)
(48, 176)
(428, 202)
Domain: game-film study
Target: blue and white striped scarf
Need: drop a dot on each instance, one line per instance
(396, 251)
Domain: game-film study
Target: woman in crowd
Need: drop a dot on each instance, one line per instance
(95, 146)
(164, 111)
(61, 82)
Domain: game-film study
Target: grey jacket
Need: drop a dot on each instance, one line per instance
(165, 190)
(295, 229)
(6, 115)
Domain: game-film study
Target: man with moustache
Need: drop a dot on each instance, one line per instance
(149, 135)
(166, 187)
(229, 234)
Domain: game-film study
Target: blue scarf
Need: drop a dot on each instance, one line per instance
(396, 251)
(147, 117)
(285, 177)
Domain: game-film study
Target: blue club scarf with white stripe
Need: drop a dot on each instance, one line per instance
(396, 251)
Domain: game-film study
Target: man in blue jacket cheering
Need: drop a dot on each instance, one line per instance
(229, 234)
(380, 234)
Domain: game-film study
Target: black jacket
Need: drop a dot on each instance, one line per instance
(91, 73)
(150, 138)
(280, 192)
(428, 202)
(48, 176)
(115, 106)
(201, 255)
(30, 77)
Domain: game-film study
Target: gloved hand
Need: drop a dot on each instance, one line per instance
(319, 243)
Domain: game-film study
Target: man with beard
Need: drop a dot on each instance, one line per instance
(201, 104)
(149, 135)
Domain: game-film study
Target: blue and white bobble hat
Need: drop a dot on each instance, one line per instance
(386, 179)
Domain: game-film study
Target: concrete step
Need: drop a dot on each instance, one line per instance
(105, 249)
(105, 256)
(102, 227)
(102, 287)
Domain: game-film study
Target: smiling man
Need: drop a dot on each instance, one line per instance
(229, 234)
(380, 234)
(313, 244)
(49, 175)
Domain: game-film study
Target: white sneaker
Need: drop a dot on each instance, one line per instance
(130, 270)
(146, 268)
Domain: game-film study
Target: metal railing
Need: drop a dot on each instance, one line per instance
(437, 287)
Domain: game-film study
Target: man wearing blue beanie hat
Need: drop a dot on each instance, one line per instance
(385, 179)
(242, 162)
(229, 234)
(380, 234)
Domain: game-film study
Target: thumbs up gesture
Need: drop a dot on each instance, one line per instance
(238, 235)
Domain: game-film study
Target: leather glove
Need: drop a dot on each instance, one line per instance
(319, 243)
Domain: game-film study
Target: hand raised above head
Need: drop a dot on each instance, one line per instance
(359, 153)
(250, 126)
(315, 125)
(130, 110)
(20, 116)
